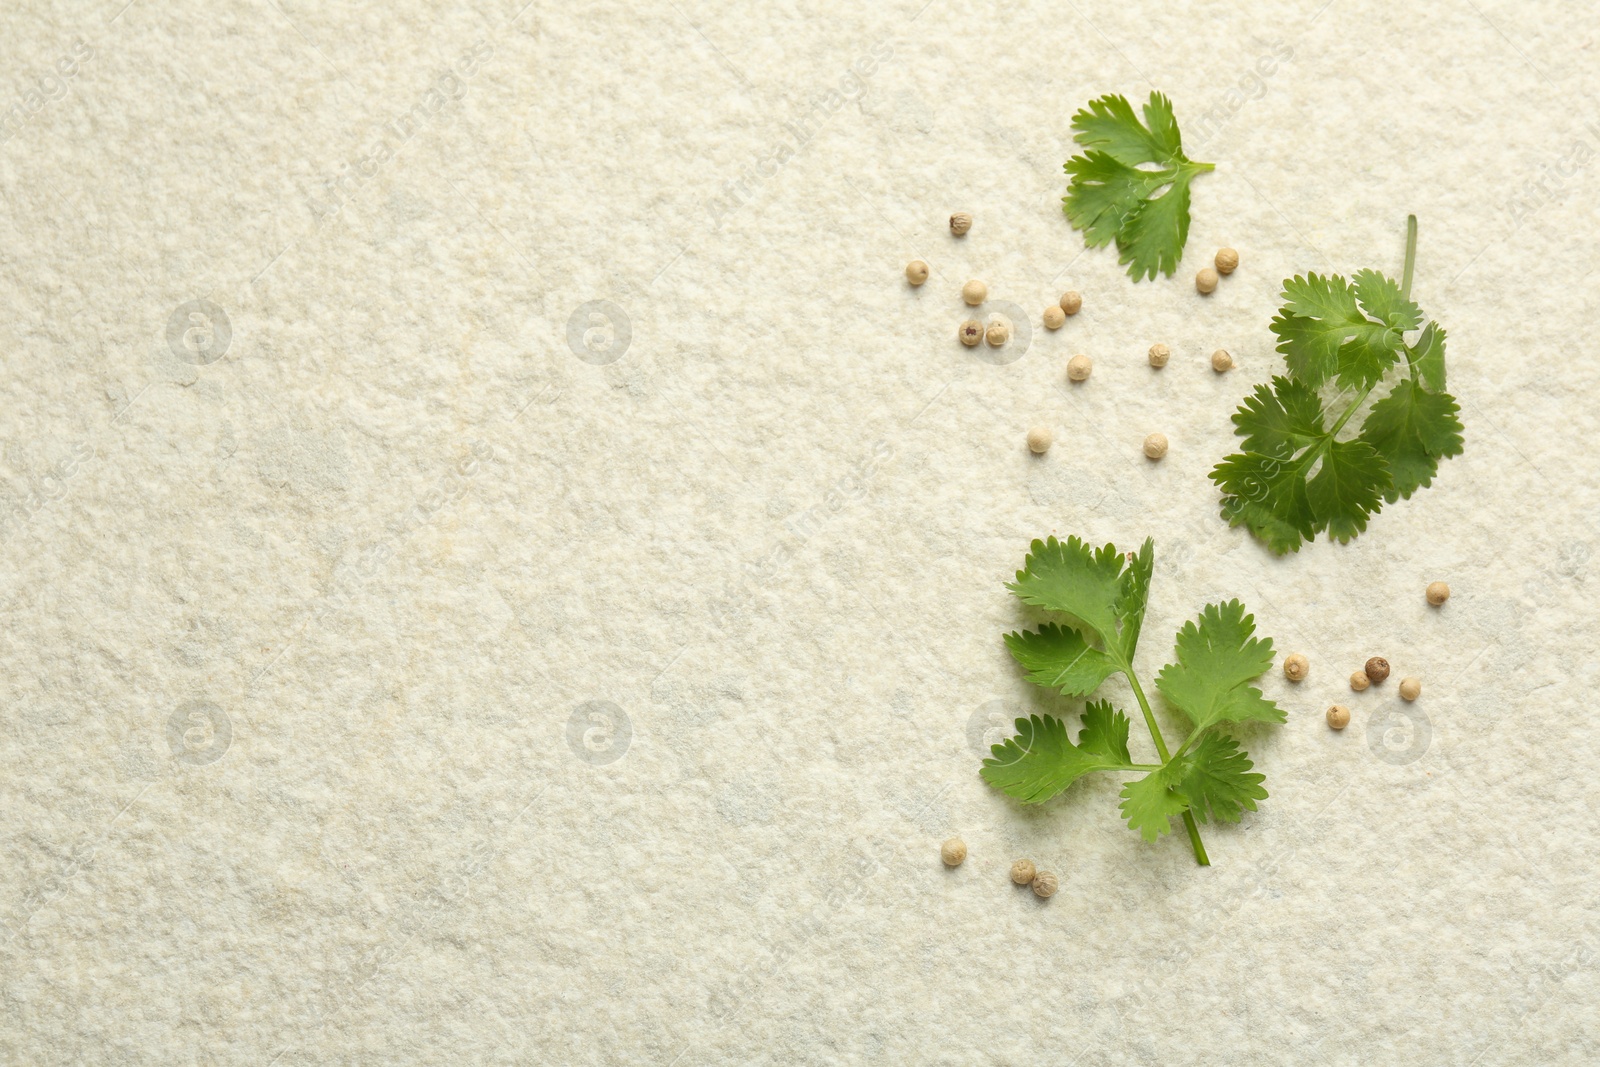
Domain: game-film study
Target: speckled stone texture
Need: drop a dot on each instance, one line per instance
(498, 567)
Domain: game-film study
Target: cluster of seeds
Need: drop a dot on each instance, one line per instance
(1226, 260)
(997, 331)
(1374, 672)
(954, 852)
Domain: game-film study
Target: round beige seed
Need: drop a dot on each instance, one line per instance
(971, 332)
(1377, 668)
(1040, 439)
(953, 852)
(1071, 302)
(1438, 593)
(1159, 354)
(1338, 716)
(1079, 366)
(1045, 885)
(1295, 667)
(997, 334)
(960, 223)
(1022, 872)
(1410, 688)
(974, 292)
(1054, 317)
(916, 272)
(1227, 260)
(1221, 360)
(1206, 280)
(1155, 446)
(1359, 681)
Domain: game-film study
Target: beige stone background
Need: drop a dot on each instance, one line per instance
(561, 619)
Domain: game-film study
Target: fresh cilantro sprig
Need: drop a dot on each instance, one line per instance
(1299, 473)
(1113, 192)
(1101, 596)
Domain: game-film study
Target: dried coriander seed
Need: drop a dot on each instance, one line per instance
(1071, 302)
(1438, 593)
(1410, 688)
(1159, 354)
(1206, 280)
(1054, 317)
(1338, 716)
(953, 852)
(1227, 260)
(1040, 439)
(916, 272)
(1221, 360)
(1295, 667)
(960, 223)
(1155, 446)
(1022, 872)
(974, 292)
(1079, 367)
(997, 334)
(1377, 668)
(971, 332)
(1045, 885)
(1359, 680)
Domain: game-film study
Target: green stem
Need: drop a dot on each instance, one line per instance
(1195, 843)
(1411, 256)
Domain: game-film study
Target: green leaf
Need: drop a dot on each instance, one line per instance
(1268, 495)
(1057, 657)
(1217, 657)
(1153, 236)
(1217, 779)
(1427, 356)
(1413, 429)
(1105, 731)
(1149, 803)
(1381, 298)
(1133, 595)
(1103, 194)
(1131, 184)
(1280, 419)
(1070, 577)
(1323, 334)
(1348, 488)
(1040, 761)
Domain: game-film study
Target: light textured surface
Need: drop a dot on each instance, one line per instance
(293, 639)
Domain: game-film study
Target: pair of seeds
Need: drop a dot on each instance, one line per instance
(1040, 439)
(1159, 354)
(1055, 316)
(1226, 260)
(954, 852)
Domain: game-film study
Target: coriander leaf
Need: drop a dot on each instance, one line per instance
(1105, 731)
(1149, 802)
(1323, 334)
(1217, 777)
(1110, 125)
(1280, 419)
(1113, 196)
(1427, 356)
(1070, 577)
(1057, 657)
(1134, 593)
(1267, 494)
(1153, 237)
(1217, 658)
(1412, 429)
(1104, 193)
(1381, 298)
(1040, 761)
(1348, 488)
